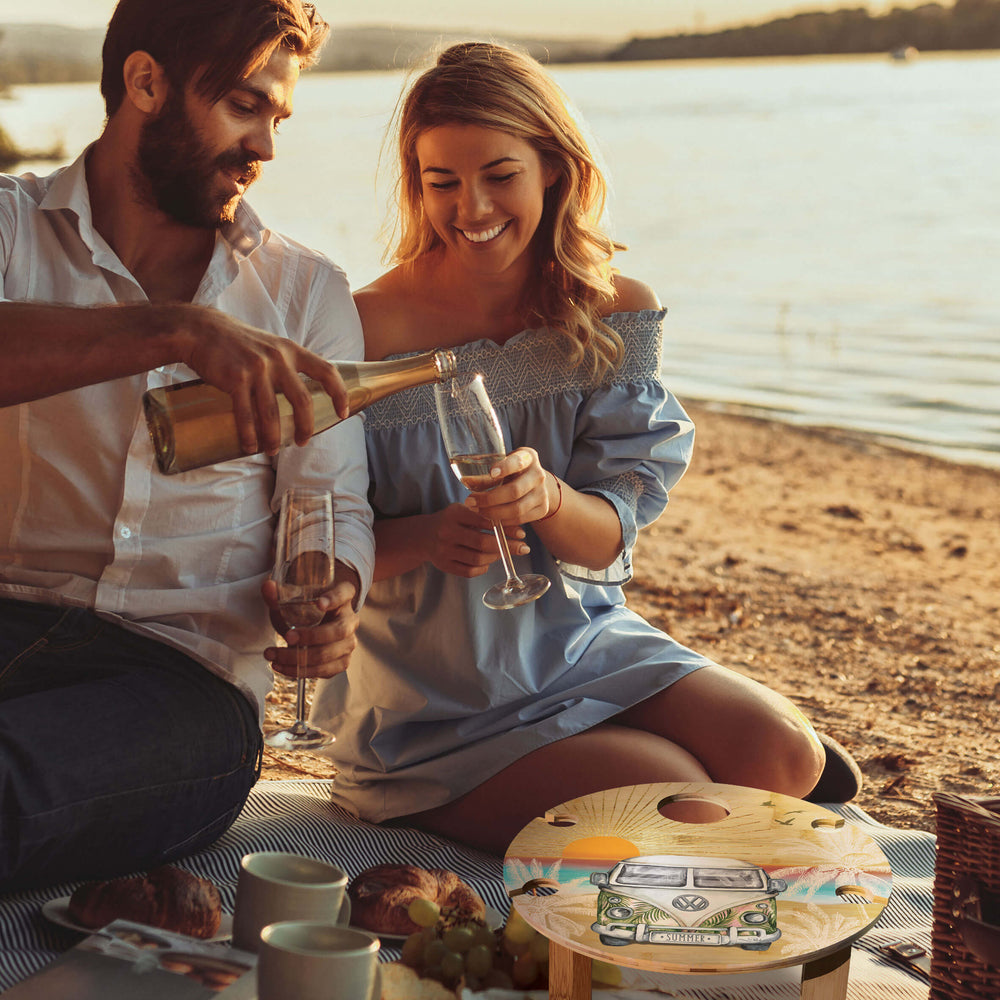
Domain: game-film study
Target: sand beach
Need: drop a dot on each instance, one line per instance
(858, 579)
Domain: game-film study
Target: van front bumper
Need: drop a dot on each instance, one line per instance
(646, 934)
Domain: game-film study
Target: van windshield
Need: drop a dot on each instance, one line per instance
(728, 878)
(629, 874)
(666, 877)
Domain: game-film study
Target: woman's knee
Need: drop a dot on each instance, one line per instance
(740, 731)
(781, 751)
(797, 756)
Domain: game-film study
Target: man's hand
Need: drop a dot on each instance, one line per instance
(51, 349)
(253, 366)
(327, 647)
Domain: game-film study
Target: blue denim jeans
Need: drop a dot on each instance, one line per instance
(117, 753)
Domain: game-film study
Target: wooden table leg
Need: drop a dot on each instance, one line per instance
(569, 974)
(826, 978)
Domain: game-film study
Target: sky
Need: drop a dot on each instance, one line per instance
(521, 17)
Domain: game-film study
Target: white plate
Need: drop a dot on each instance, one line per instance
(494, 920)
(57, 911)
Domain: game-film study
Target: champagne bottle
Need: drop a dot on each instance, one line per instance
(192, 423)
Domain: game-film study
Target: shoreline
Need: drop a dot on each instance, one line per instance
(860, 579)
(957, 454)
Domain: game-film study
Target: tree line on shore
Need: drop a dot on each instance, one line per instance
(61, 55)
(967, 24)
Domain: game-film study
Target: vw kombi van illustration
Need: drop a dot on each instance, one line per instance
(672, 899)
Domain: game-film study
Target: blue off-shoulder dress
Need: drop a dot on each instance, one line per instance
(442, 692)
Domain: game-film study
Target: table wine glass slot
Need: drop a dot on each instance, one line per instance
(303, 572)
(474, 442)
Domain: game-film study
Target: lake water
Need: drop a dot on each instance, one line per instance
(825, 232)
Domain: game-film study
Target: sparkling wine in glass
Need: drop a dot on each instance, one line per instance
(303, 572)
(474, 442)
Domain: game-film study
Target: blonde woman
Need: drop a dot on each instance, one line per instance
(468, 721)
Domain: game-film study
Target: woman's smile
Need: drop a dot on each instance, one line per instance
(484, 235)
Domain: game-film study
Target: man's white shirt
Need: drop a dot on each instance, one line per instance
(86, 518)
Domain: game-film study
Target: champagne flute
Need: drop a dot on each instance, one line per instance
(303, 572)
(474, 442)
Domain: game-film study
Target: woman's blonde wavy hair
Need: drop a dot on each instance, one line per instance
(477, 83)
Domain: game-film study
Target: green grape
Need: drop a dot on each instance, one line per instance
(452, 966)
(413, 950)
(458, 939)
(525, 971)
(433, 972)
(479, 960)
(483, 935)
(423, 912)
(517, 929)
(538, 948)
(515, 948)
(498, 980)
(434, 952)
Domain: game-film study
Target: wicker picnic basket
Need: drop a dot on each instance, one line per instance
(965, 964)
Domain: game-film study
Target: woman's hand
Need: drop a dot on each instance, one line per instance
(524, 492)
(575, 527)
(461, 542)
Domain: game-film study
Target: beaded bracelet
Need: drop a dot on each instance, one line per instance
(552, 513)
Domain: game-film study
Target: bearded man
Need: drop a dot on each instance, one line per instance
(134, 626)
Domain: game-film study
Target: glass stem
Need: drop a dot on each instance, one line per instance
(513, 579)
(300, 693)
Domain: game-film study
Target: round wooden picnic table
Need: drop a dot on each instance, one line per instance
(770, 882)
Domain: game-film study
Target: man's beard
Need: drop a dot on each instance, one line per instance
(176, 172)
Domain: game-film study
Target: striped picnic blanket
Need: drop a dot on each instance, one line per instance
(298, 816)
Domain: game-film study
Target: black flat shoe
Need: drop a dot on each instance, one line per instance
(841, 779)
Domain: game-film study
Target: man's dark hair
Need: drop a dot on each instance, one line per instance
(212, 43)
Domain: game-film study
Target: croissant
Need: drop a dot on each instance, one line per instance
(168, 897)
(380, 896)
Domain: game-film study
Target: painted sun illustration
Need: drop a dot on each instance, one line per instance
(611, 848)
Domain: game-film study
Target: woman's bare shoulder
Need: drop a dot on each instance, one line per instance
(384, 306)
(632, 295)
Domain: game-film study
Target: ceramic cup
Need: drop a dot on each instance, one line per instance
(274, 886)
(311, 960)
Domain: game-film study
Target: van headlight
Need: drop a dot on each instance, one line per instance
(754, 917)
(619, 912)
